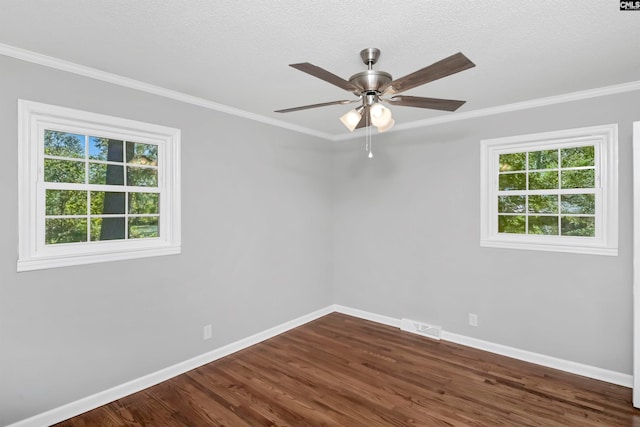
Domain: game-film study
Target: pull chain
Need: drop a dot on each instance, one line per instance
(368, 142)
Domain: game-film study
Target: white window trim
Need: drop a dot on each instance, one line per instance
(33, 117)
(605, 242)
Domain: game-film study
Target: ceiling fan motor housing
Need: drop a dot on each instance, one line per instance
(370, 81)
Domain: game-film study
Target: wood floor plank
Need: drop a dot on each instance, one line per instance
(344, 371)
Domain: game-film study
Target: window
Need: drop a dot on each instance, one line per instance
(94, 188)
(555, 191)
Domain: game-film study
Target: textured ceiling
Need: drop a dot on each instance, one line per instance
(237, 52)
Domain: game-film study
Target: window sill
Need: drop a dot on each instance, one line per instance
(549, 247)
(66, 261)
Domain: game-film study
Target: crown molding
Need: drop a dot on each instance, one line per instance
(507, 108)
(71, 67)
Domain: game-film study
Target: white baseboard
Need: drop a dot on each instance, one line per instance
(589, 371)
(385, 320)
(102, 398)
(541, 359)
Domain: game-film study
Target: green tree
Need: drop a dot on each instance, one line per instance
(67, 163)
(62, 144)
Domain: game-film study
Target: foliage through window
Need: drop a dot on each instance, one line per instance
(553, 191)
(98, 192)
(548, 192)
(91, 188)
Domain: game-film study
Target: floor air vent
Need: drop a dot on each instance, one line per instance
(424, 329)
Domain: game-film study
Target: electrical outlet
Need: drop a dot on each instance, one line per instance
(473, 319)
(207, 332)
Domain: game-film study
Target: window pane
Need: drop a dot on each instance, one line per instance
(579, 203)
(63, 144)
(105, 149)
(543, 204)
(543, 180)
(511, 224)
(107, 203)
(107, 228)
(512, 162)
(578, 179)
(58, 230)
(96, 225)
(547, 159)
(63, 171)
(511, 204)
(103, 174)
(579, 156)
(142, 154)
(143, 203)
(143, 227)
(512, 181)
(66, 202)
(97, 173)
(547, 225)
(578, 226)
(142, 177)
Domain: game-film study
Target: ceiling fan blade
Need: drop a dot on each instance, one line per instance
(432, 103)
(445, 67)
(322, 104)
(325, 75)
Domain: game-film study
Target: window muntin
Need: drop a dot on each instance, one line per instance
(548, 192)
(553, 191)
(95, 188)
(126, 173)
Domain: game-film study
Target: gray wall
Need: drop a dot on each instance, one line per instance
(278, 224)
(407, 232)
(255, 251)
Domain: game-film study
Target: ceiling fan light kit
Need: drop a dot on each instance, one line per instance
(389, 125)
(372, 85)
(351, 118)
(380, 116)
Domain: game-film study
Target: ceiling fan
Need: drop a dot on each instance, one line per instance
(371, 87)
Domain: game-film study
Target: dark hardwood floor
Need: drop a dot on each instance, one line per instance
(343, 371)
